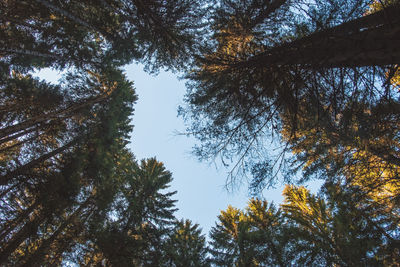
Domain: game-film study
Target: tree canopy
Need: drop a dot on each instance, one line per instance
(286, 89)
(288, 70)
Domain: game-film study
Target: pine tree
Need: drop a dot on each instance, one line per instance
(342, 228)
(60, 144)
(89, 34)
(135, 228)
(186, 246)
(255, 237)
(273, 63)
(48, 198)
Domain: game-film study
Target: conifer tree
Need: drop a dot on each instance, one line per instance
(89, 34)
(272, 61)
(255, 237)
(135, 228)
(342, 227)
(185, 246)
(61, 144)
(58, 189)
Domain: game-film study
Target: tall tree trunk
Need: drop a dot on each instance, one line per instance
(29, 229)
(17, 135)
(373, 40)
(36, 258)
(10, 226)
(20, 143)
(26, 167)
(57, 115)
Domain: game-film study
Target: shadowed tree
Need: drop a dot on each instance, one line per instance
(90, 33)
(46, 199)
(135, 229)
(60, 144)
(272, 61)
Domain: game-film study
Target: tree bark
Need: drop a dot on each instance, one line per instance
(373, 40)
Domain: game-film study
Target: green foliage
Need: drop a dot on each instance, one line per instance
(276, 67)
(342, 226)
(89, 34)
(331, 231)
(254, 237)
(134, 229)
(186, 246)
(69, 176)
(320, 75)
(67, 182)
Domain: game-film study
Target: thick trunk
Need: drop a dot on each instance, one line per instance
(373, 40)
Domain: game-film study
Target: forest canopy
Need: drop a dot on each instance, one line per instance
(287, 90)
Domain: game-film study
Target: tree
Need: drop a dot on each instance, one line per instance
(186, 246)
(133, 231)
(60, 145)
(255, 237)
(88, 34)
(342, 227)
(47, 198)
(272, 64)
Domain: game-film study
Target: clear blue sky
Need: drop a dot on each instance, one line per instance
(201, 193)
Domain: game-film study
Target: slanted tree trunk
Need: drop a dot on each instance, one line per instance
(26, 167)
(36, 258)
(373, 40)
(56, 115)
(30, 228)
(11, 225)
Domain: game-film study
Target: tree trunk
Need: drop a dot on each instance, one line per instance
(10, 226)
(27, 230)
(58, 115)
(17, 135)
(373, 40)
(24, 168)
(36, 258)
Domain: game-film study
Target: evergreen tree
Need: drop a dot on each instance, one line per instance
(60, 145)
(340, 229)
(341, 226)
(135, 228)
(272, 61)
(89, 34)
(255, 237)
(186, 246)
(46, 196)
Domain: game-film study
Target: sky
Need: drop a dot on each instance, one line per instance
(200, 186)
